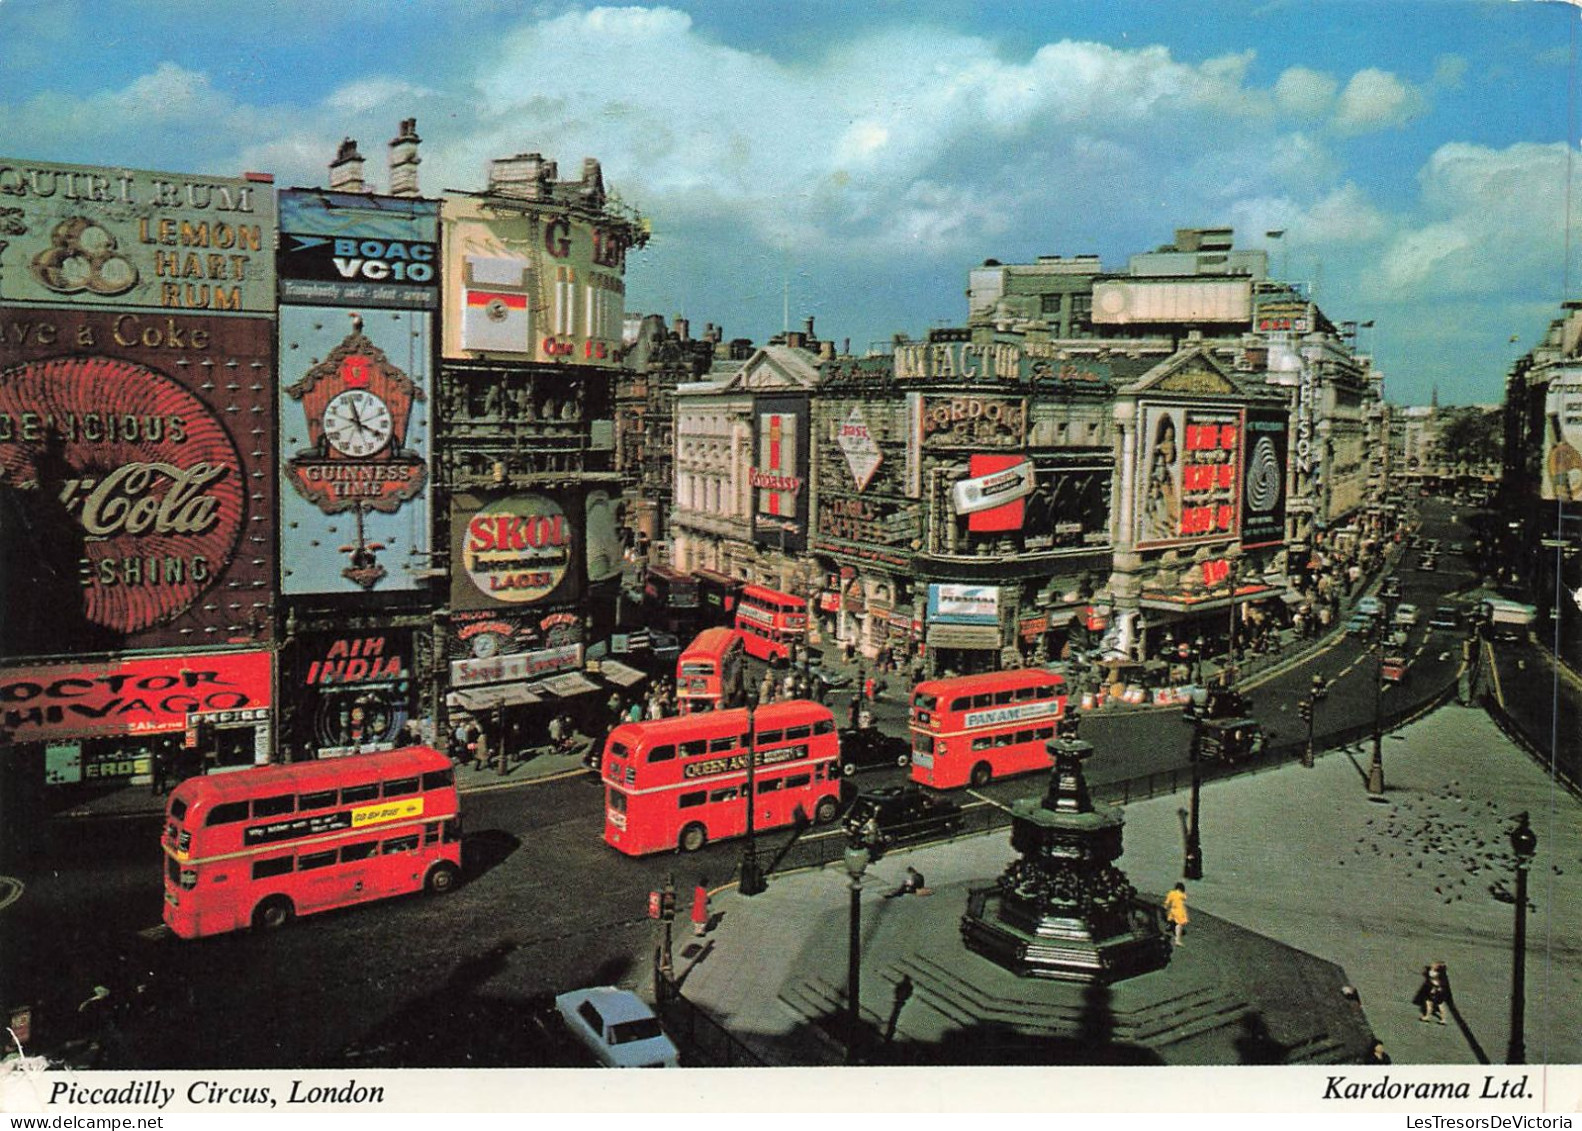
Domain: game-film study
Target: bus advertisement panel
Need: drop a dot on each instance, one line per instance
(709, 672)
(974, 728)
(681, 782)
(258, 847)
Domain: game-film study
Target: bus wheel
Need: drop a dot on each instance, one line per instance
(441, 878)
(981, 774)
(693, 838)
(272, 914)
(824, 812)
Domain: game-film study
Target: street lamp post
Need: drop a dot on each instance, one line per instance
(1376, 763)
(1192, 866)
(752, 881)
(1523, 844)
(856, 860)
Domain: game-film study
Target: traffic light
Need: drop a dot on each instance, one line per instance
(1304, 708)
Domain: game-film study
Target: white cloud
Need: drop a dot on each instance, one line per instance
(1493, 217)
(1376, 100)
(1305, 93)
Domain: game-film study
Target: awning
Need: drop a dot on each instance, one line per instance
(488, 698)
(567, 684)
(618, 673)
(980, 636)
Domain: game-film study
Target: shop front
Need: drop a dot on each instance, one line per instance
(118, 721)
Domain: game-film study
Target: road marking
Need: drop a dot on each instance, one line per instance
(10, 890)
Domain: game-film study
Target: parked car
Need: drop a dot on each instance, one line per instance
(898, 813)
(1406, 615)
(617, 1027)
(1370, 605)
(867, 748)
(1216, 703)
(1446, 617)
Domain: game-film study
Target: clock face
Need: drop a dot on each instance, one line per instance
(486, 646)
(357, 423)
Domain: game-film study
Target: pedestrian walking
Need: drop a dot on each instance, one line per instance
(161, 770)
(1176, 912)
(1434, 993)
(557, 733)
(867, 689)
(853, 712)
(700, 908)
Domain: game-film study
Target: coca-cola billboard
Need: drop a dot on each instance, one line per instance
(136, 484)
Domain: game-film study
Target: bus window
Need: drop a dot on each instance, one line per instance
(401, 787)
(730, 793)
(352, 794)
(277, 866)
(795, 733)
(320, 799)
(438, 779)
(311, 860)
(692, 800)
(824, 726)
(359, 851)
(399, 844)
(228, 813)
(662, 753)
(695, 749)
(770, 737)
(798, 781)
(722, 745)
(274, 806)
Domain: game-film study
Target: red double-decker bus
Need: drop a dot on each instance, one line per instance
(257, 847)
(709, 671)
(770, 622)
(974, 728)
(682, 782)
(670, 598)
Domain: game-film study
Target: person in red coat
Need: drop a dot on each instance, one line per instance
(700, 908)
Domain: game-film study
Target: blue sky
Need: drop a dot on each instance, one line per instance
(856, 160)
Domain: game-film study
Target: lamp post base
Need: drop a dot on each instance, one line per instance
(752, 881)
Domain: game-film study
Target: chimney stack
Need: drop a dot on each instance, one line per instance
(808, 325)
(404, 159)
(592, 183)
(527, 176)
(826, 351)
(683, 329)
(346, 171)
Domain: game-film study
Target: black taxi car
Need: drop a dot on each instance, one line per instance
(867, 748)
(895, 814)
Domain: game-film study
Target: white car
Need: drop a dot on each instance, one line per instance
(1369, 606)
(1406, 615)
(617, 1027)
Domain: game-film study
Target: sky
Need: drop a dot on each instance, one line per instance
(851, 162)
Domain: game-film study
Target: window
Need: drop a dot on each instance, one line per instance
(925, 702)
(1001, 698)
(616, 800)
(178, 809)
(358, 851)
(228, 813)
(453, 831)
(399, 844)
(662, 753)
(694, 749)
(799, 781)
(771, 785)
(960, 704)
(274, 806)
(984, 700)
(591, 1016)
(438, 779)
(312, 860)
(824, 726)
(722, 745)
(354, 793)
(640, 1029)
(770, 737)
(1050, 304)
(324, 799)
(1023, 736)
(692, 800)
(924, 744)
(1046, 692)
(619, 750)
(983, 742)
(1046, 732)
(1023, 694)
(795, 733)
(277, 866)
(1004, 738)
(400, 787)
(730, 793)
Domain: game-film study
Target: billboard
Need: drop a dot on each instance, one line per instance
(137, 480)
(125, 239)
(779, 474)
(991, 497)
(353, 691)
(535, 280)
(494, 645)
(964, 604)
(149, 695)
(353, 249)
(1187, 475)
(1563, 440)
(513, 551)
(355, 447)
(970, 420)
(1265, 449)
